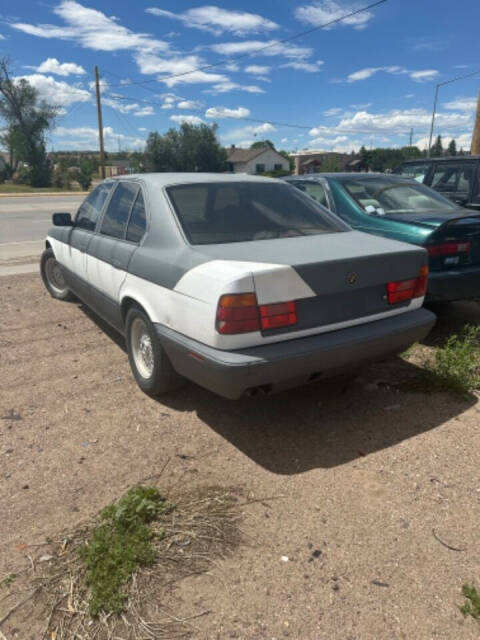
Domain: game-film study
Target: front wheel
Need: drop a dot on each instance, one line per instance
(150, 365)
(53, 277)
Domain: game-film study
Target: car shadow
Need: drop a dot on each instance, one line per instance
(452, 318)
(322, 425)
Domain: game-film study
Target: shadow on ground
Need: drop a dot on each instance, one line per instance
(452, 318)
(322, 425)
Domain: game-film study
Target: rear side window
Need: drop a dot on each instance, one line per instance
(314, 189)
(137, 223)
(217, 213)
(92, 206)
(118, 210)
(453, 178)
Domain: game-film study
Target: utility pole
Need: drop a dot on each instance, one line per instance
(411, 136)
(100, 124)
(475, 148)
(433, 120)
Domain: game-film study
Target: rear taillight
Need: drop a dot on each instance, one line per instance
(448, 248)
(240, 313)
(282, 314)
(408, 289)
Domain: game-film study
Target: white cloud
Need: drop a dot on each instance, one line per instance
(299, 65)
(324, 11)
(257, 47)
(410, 95)
(189, 104)
(180, 119)
(283, 140)
(52, 65)
(142, 129)
(87, 138)
(463, 141)
(334, 111)
(182, 68)
(224, 112)
(342, 144)
(395, 121)
(423, 75)
(91, 29)
(144, 111)
(244, 136)
(218, 20)
(228, 85)
(56, 92)
(468, 105)
(257, 69)
(2, 37)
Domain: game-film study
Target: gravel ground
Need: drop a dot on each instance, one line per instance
(358, 481)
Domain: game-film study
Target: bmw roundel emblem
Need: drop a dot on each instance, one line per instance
(351, 277)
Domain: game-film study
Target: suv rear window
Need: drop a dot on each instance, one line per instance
(218, 213)
(416, 170)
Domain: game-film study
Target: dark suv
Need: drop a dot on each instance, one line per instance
(456, 177)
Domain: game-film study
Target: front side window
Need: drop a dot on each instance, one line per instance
(260, 168)
(118, 210)
(381, 196)
(416, 171)
(91, 207)
(217, 213)
(137, 223)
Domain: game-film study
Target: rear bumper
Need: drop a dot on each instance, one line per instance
(293, 362)
(454, 284)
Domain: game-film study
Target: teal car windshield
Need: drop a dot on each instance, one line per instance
(382, 196)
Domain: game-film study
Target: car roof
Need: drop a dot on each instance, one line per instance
(347, 176)
(442, 159)
(169, 179)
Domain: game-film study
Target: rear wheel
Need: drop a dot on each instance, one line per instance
(53, 277)
(150, 365)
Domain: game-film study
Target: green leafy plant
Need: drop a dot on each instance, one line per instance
(119, 544)
(456, 366)
(472, 602)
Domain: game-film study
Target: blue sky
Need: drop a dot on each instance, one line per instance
(367, 80)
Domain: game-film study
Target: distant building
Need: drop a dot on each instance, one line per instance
(311, 161)
(117, 168)
(254, 161)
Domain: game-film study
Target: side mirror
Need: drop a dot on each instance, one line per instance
(62, 220)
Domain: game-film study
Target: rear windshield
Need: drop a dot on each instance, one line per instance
(217, 213)
(381, 196)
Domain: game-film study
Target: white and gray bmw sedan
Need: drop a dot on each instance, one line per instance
(239, 283)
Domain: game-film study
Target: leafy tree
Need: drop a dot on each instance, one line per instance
(190, 148)
(452, 148)
(262, 144)
(330, 164)
(437, 148)
(291, 161)
(28, 120)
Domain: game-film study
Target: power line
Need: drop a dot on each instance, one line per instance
(259, 49)
(268, 121)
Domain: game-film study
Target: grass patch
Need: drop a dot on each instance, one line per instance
(118, 545)
(26, 188)
(471, 607)
(455, 366)
(115, 576)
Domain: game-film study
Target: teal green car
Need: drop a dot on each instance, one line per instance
(394, 207)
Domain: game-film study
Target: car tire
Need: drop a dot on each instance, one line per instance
(53, 278)
(150, 364)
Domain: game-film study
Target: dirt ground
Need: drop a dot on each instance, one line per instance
(361, 481)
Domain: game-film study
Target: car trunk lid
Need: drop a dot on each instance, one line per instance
(343, 276)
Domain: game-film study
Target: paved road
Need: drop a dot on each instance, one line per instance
(24, 222)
